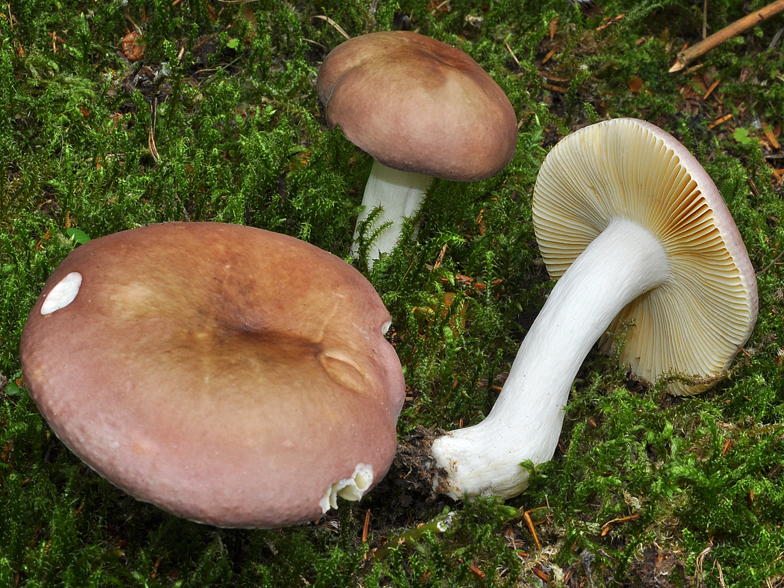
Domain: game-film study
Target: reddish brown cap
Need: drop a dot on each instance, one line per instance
(418, 105)
(226, 374)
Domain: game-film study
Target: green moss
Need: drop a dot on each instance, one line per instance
(239, 137)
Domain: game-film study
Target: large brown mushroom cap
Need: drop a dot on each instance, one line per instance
(418, 105)
(694, 324)
(227, 374)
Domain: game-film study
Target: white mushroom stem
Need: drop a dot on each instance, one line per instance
(625, 261)
(400, 195)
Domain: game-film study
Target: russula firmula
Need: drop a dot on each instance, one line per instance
(639, 238)
(421, 109)
(227, 374)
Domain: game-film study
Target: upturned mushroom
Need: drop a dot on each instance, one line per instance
(421, 109)
(229, 375)
(639, 238)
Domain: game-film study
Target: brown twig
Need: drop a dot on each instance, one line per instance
(531, 528)
(609, 21)
(508, 48)
(529, 521)
(608, 525)
(477, 571)
(739, 26)
(771, 264)
(365, 527)
(721, 574)
(705, 19)
(312, 42)
(549, 55)
(720, 120)
(541, 574)
(337, 27)
(699, 562)
(440, 258)
(437, 8)
(711, 89)
(151, 134)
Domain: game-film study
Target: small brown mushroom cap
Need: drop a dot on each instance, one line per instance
(131, 48)
(693, 325)
(226, 374)
(420, 105)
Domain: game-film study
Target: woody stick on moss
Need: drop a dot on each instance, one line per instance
(739, 26)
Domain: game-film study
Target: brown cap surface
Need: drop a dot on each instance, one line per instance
(227, 374)
(418, 105)
(694, 324)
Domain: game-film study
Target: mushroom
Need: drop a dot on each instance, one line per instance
(421, 109)
(131, 47)
(229, 375)
(639, 238)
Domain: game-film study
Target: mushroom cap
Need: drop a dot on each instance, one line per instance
(695, 323)
(227, 374)
(420, 105)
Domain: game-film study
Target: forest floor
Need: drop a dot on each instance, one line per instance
(210, 113)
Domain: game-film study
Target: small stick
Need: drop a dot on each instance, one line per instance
(608, 525)
(721, 575)
(549, 55)
(719, 121)
(711, 89)
(365, 527)
(338, 28)
(610, 20)
(736, 28)
(771, 137)
(541, 574)
(312, 42)
(151, 134)
(775, 39)
(530, 523)
(508, 48)
(440, 258)
(437, 8)
(771, 264)
(705, 19)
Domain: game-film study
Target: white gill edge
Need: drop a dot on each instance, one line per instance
(622, 263)
(63, 293)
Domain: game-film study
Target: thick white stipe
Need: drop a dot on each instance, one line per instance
(625, 261)
(400, 195)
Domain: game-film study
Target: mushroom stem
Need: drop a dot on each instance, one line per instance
(625, 261)
(400, 195)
